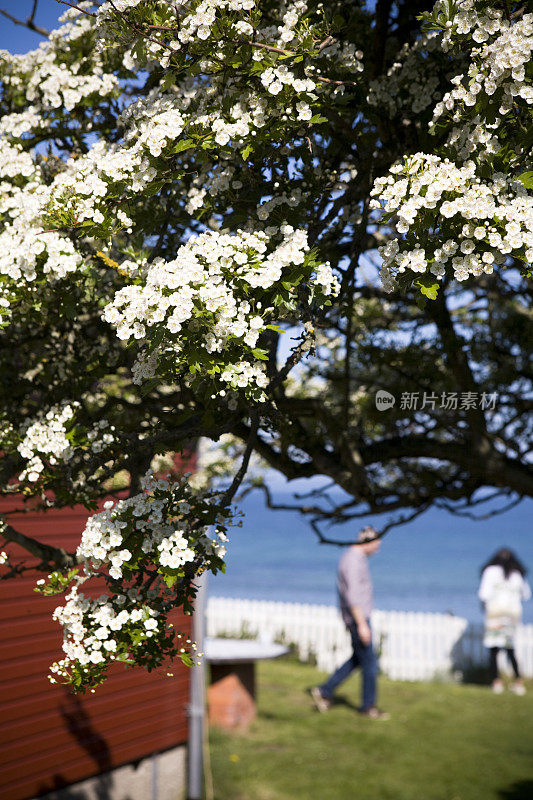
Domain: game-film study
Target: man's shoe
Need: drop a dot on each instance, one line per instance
(518, 688)
(374, 713)
(322, 703)
(497, 687)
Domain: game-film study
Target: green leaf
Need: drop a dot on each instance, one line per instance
(428, 286)
(153, 188)
(526, 178)
(57, 582)
(185, 144)
(166, 82)
(187, 660)
(246, 152)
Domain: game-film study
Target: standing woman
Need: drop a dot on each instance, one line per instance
(503, 588)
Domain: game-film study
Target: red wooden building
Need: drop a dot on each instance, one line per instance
(51, 738)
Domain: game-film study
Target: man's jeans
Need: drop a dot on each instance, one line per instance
(363, 656)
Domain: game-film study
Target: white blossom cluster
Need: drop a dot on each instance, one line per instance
(145, 365)
(475, 138)
(293, 199)
(243, 374)
(198, 22)
(152, 519)
(25, 251)
(117, 5)
(233, 114)
(84, 186)
(200, 296)
(97, 631)
(152, 524)
(286, 31)
(14, 162)
(476, 222)
(447, 212)
(199, 277)
(498, 65)
(26, 247)
(216, 107)
(411, 83)
(50, 82)
(20, 122)
(154, 122)
(325, 278)
(46, 438)
(46, 441)
(274, 80)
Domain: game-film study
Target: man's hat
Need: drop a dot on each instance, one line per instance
(367, 534)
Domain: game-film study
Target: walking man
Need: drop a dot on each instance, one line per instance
(355, 596)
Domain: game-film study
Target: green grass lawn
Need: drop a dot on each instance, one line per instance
(443, 742)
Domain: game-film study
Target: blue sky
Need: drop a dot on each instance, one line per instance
(18, 39)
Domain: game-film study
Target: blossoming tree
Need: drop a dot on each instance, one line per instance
(195, 194)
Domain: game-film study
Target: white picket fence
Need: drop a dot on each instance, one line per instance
(413, 646)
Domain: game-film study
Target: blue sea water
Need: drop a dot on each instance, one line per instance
(431, 564)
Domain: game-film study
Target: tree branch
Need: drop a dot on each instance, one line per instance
(73, 5)
(237, 480)
(28, 23)
(381, 29)
(48, 555)
(380, 534)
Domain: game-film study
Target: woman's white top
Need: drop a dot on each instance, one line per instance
(503, 599)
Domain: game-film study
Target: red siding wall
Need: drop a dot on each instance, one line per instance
(50, 737)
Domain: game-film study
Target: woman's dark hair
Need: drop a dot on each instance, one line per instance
(507, 560)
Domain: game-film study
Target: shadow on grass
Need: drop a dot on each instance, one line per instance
(521, 790)
(477, 674)
(338, 700)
